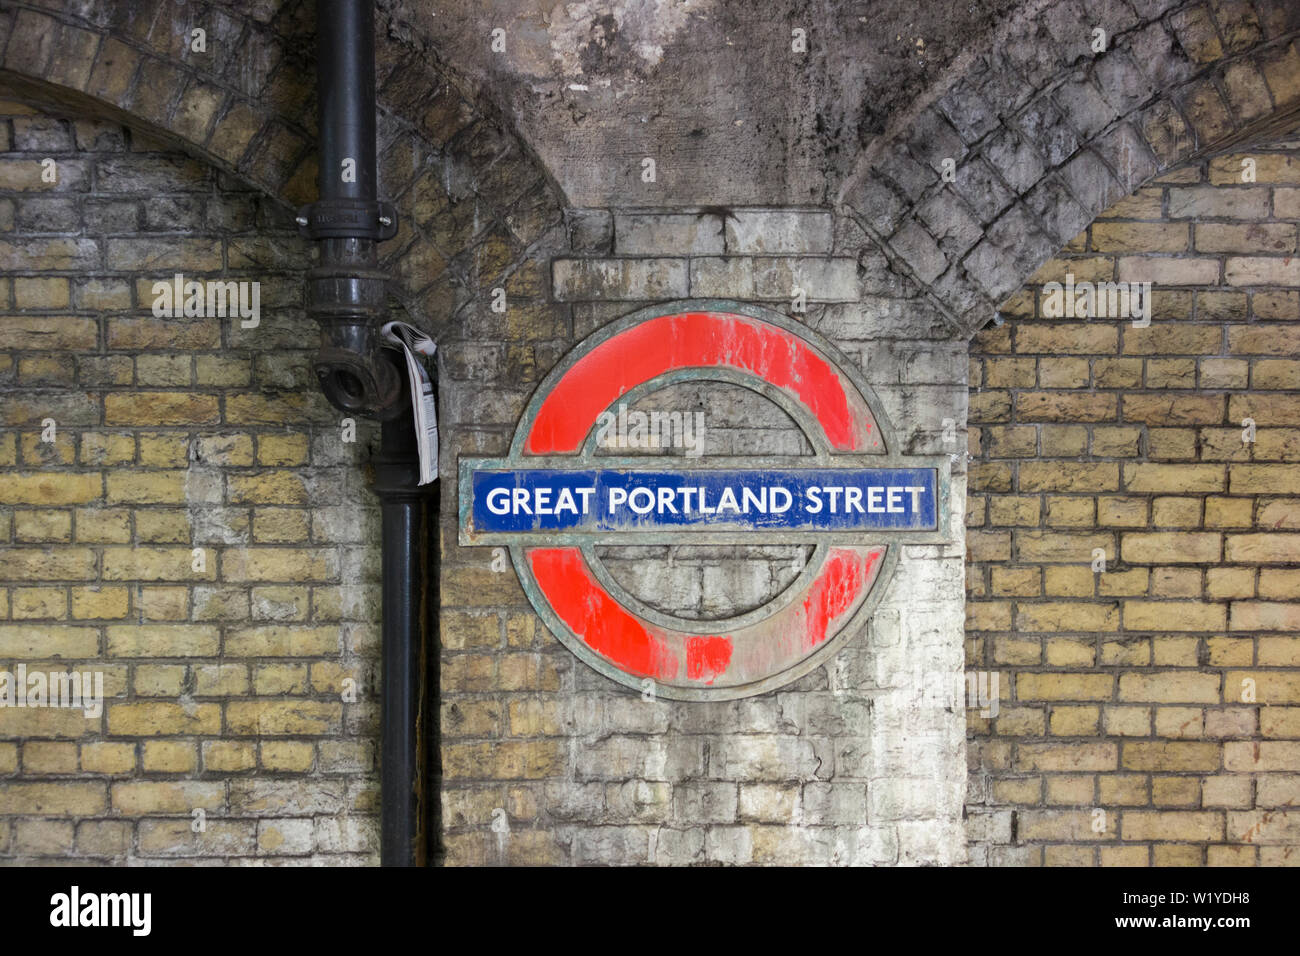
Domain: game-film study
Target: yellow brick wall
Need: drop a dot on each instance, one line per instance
(1150, 712)
(173, 440)
(1121, 737)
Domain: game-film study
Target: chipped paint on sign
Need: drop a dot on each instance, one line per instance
(553, 500)
(700, 340)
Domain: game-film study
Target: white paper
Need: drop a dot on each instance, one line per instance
(415, 343)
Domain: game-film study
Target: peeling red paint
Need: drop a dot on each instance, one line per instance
(834, 592)
(640, 354)
(697, 340)
(707, 657)
(752, 653)
(598, 619)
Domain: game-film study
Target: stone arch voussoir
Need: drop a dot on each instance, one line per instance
(472, 201)
(1042, 142)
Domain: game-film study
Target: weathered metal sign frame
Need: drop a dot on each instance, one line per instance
(872, 555)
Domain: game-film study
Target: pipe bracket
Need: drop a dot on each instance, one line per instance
(348, 219)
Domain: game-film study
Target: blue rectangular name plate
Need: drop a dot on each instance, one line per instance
(591, 501)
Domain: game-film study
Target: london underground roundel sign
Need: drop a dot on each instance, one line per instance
(553, 501)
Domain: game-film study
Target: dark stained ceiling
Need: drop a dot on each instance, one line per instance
(709, 89)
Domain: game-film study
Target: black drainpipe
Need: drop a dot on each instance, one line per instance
(347, 293)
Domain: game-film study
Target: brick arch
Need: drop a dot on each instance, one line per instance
(473, 203)
(1044, 143)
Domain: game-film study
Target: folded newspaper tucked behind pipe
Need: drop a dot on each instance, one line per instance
(413, 342)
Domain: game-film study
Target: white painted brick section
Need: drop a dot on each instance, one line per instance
(776, 278)
(778, 231)
(622, 280)
(858, 762)
(668, 234)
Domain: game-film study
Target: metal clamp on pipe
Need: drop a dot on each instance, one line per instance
(347, 219)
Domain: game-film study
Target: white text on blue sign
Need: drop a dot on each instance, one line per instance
(809, 499)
